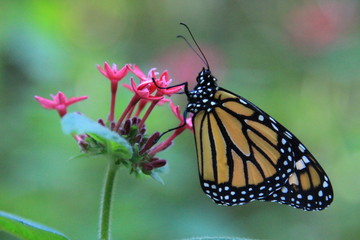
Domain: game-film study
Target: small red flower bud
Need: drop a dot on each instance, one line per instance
(147, 167)
(153, 159)
(158, 163)
(138, 138)
(112, 125)
(101, 122)
(135, 121)
(150, 142)
(142, 130)
(127, 126)
(121, 131)
(83, 145)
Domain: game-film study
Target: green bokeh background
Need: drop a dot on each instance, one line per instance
(312, 88)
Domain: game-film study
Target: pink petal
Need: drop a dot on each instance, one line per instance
(133, 85)
(152, 74)
(127, 86)
(120, 74)
(165, 77)
(75, 99)
(108, 69)
(45, 103)
(136, 70)
(176, 111)
(102, 71)
(60, 98)
(163, 101)
(171, 90)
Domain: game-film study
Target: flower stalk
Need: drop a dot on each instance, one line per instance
(106, 200)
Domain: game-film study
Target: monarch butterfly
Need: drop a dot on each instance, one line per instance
(245, 155)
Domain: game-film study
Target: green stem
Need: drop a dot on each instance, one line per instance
(105, 211)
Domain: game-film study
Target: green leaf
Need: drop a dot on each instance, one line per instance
(74, 123)
(27, 230)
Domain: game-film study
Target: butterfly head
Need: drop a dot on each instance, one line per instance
(202, 96)
(205, 77)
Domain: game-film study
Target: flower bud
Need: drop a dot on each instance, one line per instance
(135, 120)
(158, 163)
(147, 167)
(127, 126)
(101, 122)
(150, 142)
(142, 130)
(138, 138)
(112, 125)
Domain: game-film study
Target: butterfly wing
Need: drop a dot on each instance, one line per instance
(308, 187)
(245, 155)
(239, 155)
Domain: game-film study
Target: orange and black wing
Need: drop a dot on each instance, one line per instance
(308, 187)
(245, 155)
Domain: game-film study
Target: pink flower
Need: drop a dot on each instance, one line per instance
(163, 81)
(59, 102)
(186, 65)
(112, 73)
(148, 94)
(143, 90)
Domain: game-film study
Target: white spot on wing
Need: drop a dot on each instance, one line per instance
(288, 134)
(242, 101)
(273, 125)
(306, 160)
(300, 165)
(302, 148)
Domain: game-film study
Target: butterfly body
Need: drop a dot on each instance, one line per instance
(245, 155)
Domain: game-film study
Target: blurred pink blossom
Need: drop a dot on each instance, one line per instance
(184, 65)
(59, 102)
(314, 27)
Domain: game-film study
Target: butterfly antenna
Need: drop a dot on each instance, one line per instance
(197, 45)
(200, 56)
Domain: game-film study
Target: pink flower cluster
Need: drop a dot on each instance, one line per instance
(150, 92)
